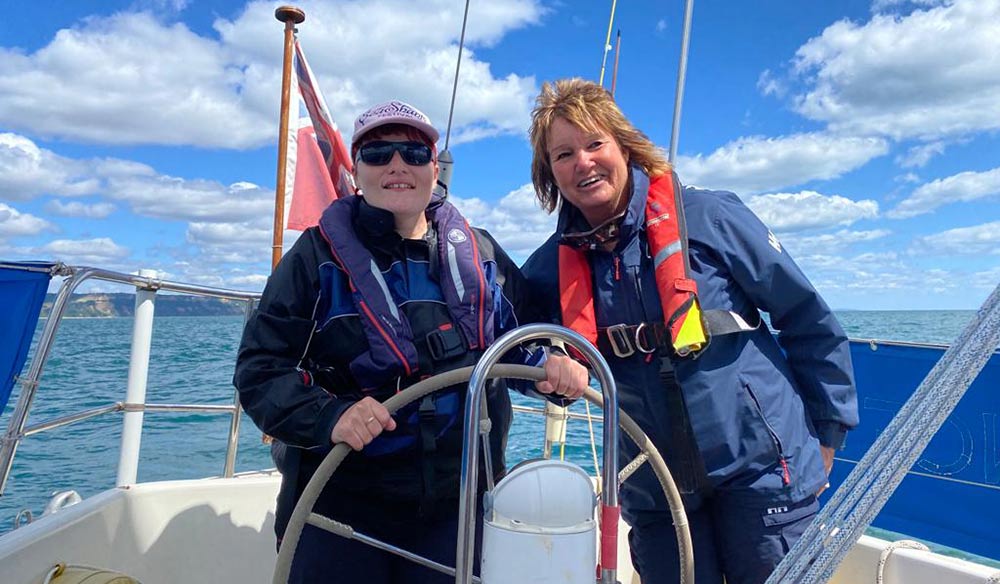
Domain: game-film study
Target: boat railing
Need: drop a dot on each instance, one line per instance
(147, 284)
(873, 345)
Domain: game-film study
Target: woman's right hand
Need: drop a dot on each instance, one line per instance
(361, 423)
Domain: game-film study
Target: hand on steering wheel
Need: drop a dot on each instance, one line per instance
(563, 376)
(361, 423)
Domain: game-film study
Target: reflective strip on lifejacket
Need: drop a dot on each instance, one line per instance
(456, 274)
(663, 254)
(389, 300)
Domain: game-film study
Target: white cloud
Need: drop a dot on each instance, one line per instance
(755, 164)
(129, 78)
(248, 281)
(809, 209)
(167, 197)
(238, 243)
(866, 273)
(516, 220)
(977, 240)
(929, 74)
(27, 171)
(828, 243)
(964, 186)
(919, 156)
(769, 84)
(882, 5)
(661, 25)
(13, 223)
(986, 279)
(77, 209)
(168, 6)
(101, 251)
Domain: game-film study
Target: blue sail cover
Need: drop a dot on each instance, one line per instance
(21, 295)
(951, 496)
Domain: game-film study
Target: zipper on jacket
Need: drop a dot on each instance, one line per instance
(618, 268)
(786, 476)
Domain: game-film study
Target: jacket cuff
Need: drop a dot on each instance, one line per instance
(831, 434)
(328, 417)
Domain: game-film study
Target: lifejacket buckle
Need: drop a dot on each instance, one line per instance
(638, 339)
(621, 345)
(445, 342)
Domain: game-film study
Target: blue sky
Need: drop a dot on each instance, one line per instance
(142, 134)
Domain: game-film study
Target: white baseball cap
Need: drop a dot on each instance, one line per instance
(393, 112)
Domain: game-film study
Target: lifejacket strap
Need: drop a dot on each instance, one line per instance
(727, 322)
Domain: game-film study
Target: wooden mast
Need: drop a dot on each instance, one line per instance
(291, 16)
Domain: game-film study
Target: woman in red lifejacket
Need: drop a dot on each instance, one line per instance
(669, 282)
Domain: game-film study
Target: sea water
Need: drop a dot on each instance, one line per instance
(192, 363)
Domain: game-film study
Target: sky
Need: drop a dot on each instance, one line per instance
(143, 133)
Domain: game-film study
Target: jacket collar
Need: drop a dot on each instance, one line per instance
(376, 228)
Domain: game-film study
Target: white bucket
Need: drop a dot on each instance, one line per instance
(539, 526)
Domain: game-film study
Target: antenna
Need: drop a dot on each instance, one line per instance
(445, 161)
(675, 129)
(607, 41)
(614, 70)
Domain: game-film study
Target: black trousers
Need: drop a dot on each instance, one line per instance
(324, 557)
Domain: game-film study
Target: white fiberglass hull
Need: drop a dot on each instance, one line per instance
(221, 530)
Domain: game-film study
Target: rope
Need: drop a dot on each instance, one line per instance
(88, 574)
(593, 447)
(907, 544)
(56, 570)
(859, 499)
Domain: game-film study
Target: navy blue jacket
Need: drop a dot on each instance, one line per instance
(294, 378)
(744, 404)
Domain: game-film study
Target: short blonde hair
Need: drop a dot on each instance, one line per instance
(589, 107)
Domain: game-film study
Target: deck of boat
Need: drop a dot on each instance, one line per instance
(221, 531)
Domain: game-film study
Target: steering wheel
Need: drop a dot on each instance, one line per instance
(302, 514)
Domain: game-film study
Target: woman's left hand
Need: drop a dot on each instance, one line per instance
(563, 376)
(827, 464)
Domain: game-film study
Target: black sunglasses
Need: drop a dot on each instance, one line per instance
(380, 153)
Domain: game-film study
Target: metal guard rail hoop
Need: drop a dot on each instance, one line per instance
(75, 275)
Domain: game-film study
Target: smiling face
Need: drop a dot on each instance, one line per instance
(398, 187)
(589, 168)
